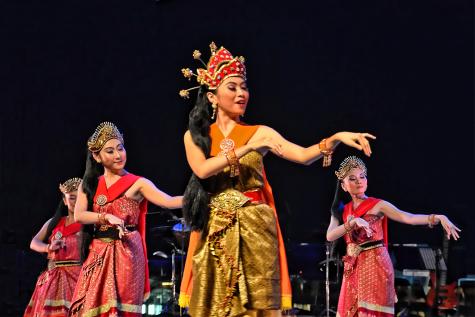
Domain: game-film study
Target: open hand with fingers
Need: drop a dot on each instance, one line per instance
(450, 229)
(361, 223)
(356, 140)
(56, 244)
(119, 223)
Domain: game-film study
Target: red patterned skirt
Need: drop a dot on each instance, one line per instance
(112, 279)
(368, 285)
(54, 290)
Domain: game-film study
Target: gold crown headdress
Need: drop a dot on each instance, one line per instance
(349, 163)
(104, 132)
(70, 185)
(221, 65)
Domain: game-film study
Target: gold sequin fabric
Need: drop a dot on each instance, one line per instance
(108, 284)
(236, 269)
(368, 283)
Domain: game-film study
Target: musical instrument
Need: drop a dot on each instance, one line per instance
(441, 295)
(173, 239)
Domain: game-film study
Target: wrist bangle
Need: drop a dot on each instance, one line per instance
(227, 147)
(348, 227)
(233, 162)
(101, 219)
(431, 220)
(327, 153)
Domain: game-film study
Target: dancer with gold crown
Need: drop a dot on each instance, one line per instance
(236, 263)
(60, 238)
(112, 206)
(368, 282)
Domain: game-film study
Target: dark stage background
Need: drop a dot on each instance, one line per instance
(402, 70)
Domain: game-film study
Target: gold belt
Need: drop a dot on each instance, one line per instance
(354, 249)
(55, 264)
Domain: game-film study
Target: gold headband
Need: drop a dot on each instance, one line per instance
(70, 185)
(349, 163)
(104, 132)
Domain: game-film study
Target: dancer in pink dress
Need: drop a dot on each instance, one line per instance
(368, 282)
(60, 238)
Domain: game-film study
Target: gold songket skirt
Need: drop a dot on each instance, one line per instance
(236, 268)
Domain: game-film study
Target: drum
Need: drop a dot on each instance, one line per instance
(182, 235)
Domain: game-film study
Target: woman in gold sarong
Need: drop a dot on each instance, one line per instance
(236, 263)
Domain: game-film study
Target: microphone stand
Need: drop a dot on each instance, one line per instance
(327, 310)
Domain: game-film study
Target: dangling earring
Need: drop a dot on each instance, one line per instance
(214, 106)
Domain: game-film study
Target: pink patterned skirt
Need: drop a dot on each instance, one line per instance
(368, 285)
(54, 290)
(112, 279)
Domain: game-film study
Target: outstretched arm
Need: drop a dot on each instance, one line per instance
(308, 155)
(154, 195)
(392, 212)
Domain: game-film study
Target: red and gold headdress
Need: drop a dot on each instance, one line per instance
(348, 164)
(104, 132)
(221, 65)
(70, 185)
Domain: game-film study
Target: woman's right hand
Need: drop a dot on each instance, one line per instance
(266, 143)
(55, 244)
(119, 223)
(361, 223)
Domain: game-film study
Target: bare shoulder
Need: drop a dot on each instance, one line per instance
(384, 206)
(187, 139)
(47, 222)
(45, 225)
(265, 131)
(143, 181)
(379, 208)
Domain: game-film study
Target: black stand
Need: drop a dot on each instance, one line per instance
(172, 308)
(328, 310)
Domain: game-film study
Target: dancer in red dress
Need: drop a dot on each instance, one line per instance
(60, 239)
(114, 277)
(368, 282)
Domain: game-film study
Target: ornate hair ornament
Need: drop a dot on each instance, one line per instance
(349, 163)
(221, 65)
(104, 132)
(70, 185)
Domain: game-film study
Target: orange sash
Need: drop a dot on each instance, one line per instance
(241, 134)
(116, 190)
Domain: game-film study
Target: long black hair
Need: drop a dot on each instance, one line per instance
(89, 187)
(196, 198)
(338, 202)
(61, 211)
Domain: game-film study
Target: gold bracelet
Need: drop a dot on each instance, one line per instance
(227, 149)
(327, 154)
(233, 163)
(347, 226)
(431, 221)
(101, 219)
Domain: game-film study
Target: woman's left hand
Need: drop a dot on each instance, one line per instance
(357, 140)
(449, 227)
